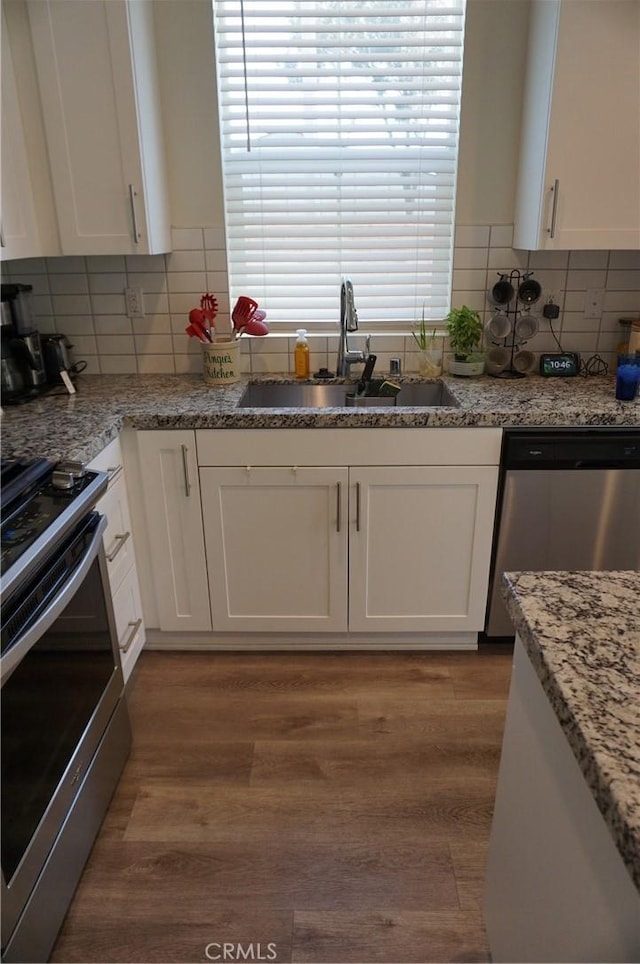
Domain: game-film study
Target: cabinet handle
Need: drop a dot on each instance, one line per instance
(185, 469)
(132, 200)
(338, 505)
(357, 507)
(554, 210)
(120, 540)
(2, 241)
(123, 647)
(113, 472)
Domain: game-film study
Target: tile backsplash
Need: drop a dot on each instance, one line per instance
(83, 297)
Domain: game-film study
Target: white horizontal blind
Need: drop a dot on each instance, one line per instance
(339, 125)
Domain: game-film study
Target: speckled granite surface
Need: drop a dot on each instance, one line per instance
(80, 426)
(581, 631)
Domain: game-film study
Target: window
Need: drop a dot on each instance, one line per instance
(339, 124)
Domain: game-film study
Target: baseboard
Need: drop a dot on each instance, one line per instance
(299, 642)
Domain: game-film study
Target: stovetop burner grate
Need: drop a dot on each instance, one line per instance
(17, 476)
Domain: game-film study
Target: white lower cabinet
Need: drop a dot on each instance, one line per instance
(304, 547)
(121, 560)
(170, 493)
(276, 541)
(419, 547)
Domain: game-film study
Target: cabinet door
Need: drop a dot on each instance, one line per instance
(420, 547)
(276, 543)
(127, 611)
(169, 476)
(579, 181)
(19, 232)
(96, 74)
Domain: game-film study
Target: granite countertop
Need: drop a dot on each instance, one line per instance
(581, 631)
(79, 426)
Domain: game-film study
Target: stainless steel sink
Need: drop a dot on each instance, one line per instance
(275, 395)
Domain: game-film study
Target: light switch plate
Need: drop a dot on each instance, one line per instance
(135, 302)
(593, 303)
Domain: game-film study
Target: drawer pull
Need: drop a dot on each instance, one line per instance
(185, 469)
(113, 472)
(554, 210)
(124, 647)
(120, 539)
(134, 220)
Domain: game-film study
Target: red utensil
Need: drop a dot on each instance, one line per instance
(209, 306)
(197, 317)
(243, 311)
(194, 331)
(256, 327)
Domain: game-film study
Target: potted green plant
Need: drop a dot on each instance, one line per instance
(430, 356)
(465, 337)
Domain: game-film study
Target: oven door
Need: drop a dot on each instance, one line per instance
(61, 682)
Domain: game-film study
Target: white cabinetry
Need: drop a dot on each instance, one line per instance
(170, 491)
(296, 543)
(419, 547)
(19, 230)
(550, 848)
(121, 562)
(276, 547)
(99, 89)
(579, 174)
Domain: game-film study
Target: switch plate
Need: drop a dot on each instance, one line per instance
(135, 302)
(593, 303)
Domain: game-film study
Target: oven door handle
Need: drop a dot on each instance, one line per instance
(63, 597)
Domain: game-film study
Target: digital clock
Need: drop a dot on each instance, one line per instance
(563, 364)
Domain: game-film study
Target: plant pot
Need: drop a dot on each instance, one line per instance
(474, 365)
(430, 363)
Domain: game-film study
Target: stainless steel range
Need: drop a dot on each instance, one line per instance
(65, 727)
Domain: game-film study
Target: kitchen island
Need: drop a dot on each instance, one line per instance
(563, 874)
(80, 426)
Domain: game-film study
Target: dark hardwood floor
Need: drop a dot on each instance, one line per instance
(335, 805)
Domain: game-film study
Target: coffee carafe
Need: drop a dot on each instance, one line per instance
(23, 370)
(17, 310)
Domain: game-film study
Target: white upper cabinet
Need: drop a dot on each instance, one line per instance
(579, 173)
(98, 83)
(20, 237)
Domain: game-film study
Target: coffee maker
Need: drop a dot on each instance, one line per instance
(21, 360)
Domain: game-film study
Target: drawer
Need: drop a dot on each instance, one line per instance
(118, 541)
(127, 609)
(109, 460)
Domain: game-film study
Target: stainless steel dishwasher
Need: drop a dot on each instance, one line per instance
(567, 500)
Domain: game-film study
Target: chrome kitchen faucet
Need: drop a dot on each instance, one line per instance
(349, 322)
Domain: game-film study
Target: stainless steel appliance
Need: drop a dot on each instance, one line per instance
(23, 369)
(567, 500)
(65, 727)
(17, 311)
(57, 357)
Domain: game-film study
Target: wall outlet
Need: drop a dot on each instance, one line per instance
(593, 303)
(134, 302)
(551, 294)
